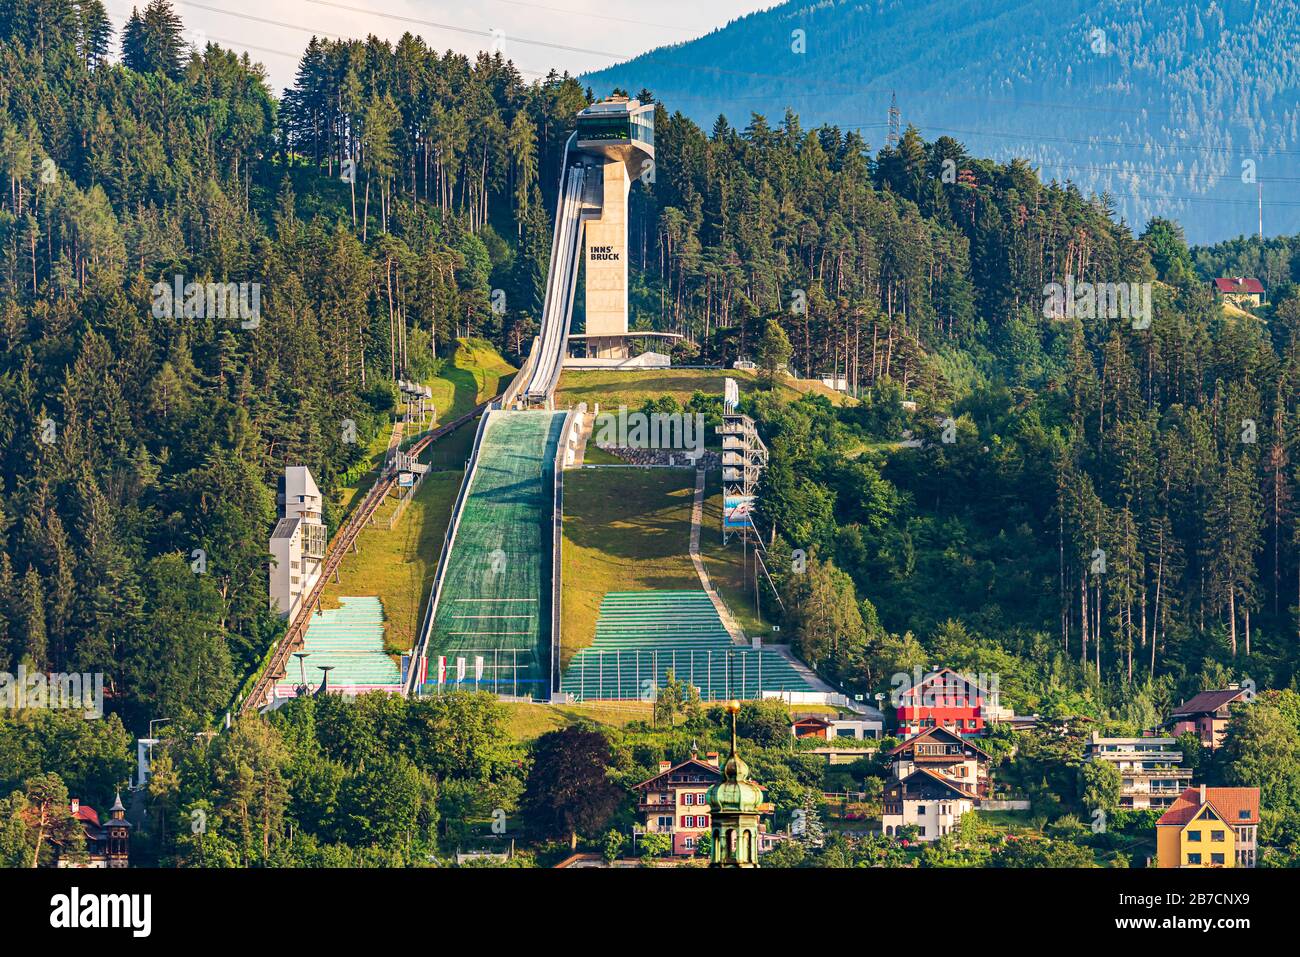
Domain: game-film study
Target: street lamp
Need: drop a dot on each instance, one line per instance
(302, 672)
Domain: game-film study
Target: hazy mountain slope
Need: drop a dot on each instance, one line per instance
(1157, 102)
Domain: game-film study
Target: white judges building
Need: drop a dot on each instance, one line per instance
(298, 542)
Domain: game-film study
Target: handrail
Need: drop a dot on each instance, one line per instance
(449, 539)
(571, 419)
(525, 373)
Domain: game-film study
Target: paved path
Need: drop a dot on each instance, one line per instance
(697, 520)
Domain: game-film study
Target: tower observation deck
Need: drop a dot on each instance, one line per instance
(613, 143)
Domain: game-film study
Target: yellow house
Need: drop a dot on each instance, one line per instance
(1209, 827)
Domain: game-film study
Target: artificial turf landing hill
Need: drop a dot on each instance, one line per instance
(495, 601)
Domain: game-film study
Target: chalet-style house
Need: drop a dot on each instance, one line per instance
(1207, 715)
(1241, 291)
(107, 844)
(924, 800)
(1151, 769)
(946, 754)
(674, 803)
(946, 699)
(1209, 827)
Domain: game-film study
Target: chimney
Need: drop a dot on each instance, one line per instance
(712, 758)
(664, 766)
(1202, 793)
(76, 805)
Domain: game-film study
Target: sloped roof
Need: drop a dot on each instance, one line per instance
(922, 776)
(941, 675)
(1207, 701)
(953, 737)
(1239, 284)
(702, 765)
(811, 719)
(1228, 803)
(285, 528)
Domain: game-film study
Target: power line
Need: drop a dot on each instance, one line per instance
(469, 31)
(297, 57)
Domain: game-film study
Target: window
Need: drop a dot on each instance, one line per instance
(920, 809)
(689, 843)
(1243, 815)
(688, 821)
(688, 798)
(1194, 835)
(701, 820)
(921, 831)
(1193, 858)
(665, 822)
(1216, 836)
(1216, 858)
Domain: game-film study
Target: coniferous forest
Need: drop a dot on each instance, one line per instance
(1106, 516)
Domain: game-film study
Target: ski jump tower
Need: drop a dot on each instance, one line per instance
(617, 137)
(612, 144)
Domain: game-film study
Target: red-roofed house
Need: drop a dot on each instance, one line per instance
(946, 699)
(1209, 827)
(1206, 715)
(1240, 290)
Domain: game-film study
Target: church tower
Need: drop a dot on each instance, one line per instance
(735, 803)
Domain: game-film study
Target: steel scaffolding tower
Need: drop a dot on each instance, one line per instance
(744, 456)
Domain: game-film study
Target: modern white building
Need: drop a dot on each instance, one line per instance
(298, 541)
(1151, 771)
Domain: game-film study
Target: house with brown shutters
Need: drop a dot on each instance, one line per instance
(1207, 715)
(948, 755)
(927, 801)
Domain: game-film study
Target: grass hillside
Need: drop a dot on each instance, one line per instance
(624, 530)
(398, 565)
(475, 372)
(614, 388)
(629, 529)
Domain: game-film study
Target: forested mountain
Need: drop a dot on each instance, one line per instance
(382, 199)
(1156, 102)
(130, 439)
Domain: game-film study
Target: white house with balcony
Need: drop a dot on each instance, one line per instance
(1151, 771)
(297, 542)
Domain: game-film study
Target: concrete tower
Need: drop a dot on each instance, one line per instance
(617, 136)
